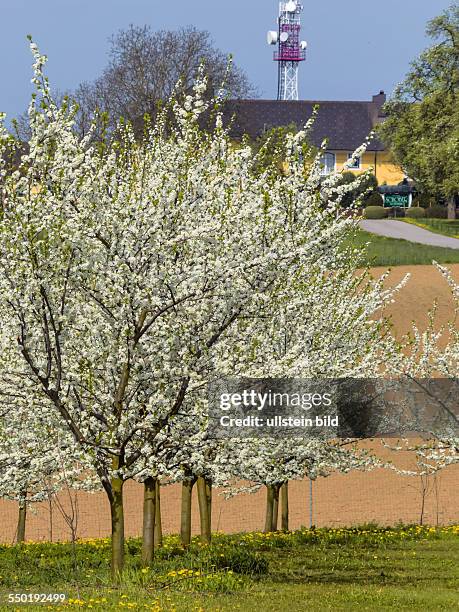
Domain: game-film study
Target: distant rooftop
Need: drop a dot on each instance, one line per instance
(346, 125)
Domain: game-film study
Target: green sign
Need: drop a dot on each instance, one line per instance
(393, 199)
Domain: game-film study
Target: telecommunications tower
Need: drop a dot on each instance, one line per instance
(290, 50)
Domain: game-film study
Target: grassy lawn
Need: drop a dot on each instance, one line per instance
(445, 227)
(375, 569)
(394, 252)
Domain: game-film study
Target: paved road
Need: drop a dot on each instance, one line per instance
(413, 233)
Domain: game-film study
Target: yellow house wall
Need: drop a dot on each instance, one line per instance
(384, 168)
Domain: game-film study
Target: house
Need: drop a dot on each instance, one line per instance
(344, 124)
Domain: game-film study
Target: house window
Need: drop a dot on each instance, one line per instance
(356, 163)
(328, 163)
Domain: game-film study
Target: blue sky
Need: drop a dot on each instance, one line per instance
(356, 47)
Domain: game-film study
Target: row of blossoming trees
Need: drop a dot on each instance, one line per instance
(133, 273)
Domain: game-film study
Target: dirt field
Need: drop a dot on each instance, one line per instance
(354, 498)
(414, 301)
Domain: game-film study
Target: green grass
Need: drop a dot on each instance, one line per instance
(371, 568)
(445, 227)
(394, 252)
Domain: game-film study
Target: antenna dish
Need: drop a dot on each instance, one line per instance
(304, 45)
(272, 37)
(290, 7)
(284, 37)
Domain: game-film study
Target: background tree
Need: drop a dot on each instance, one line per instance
(431, 354)
(38, 457)
(273, 462)
(144, 68)
(422, 125)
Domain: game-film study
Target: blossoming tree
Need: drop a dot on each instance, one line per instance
(274, 462)
(130, 272)
(38, 458)
(434, 353)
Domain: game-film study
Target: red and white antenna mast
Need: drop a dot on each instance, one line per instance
(290, 50)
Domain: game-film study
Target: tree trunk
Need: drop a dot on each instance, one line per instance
(117, 515)
(209, 504)
(205, 508)
(22, 515)
(269, 508)
(185, 522)
(284, 506)
(149, 512)
(51, 516)
(452, 208)
(275, 506)
(158, 524)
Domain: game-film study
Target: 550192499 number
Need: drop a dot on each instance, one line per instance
(36, 597)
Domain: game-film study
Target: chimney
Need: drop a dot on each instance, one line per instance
(380, 99)
(378, 102)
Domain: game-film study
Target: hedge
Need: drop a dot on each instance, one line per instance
(437, 212)
(375, 212)
(416, 213)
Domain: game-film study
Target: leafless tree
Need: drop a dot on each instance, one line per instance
(144, 67)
